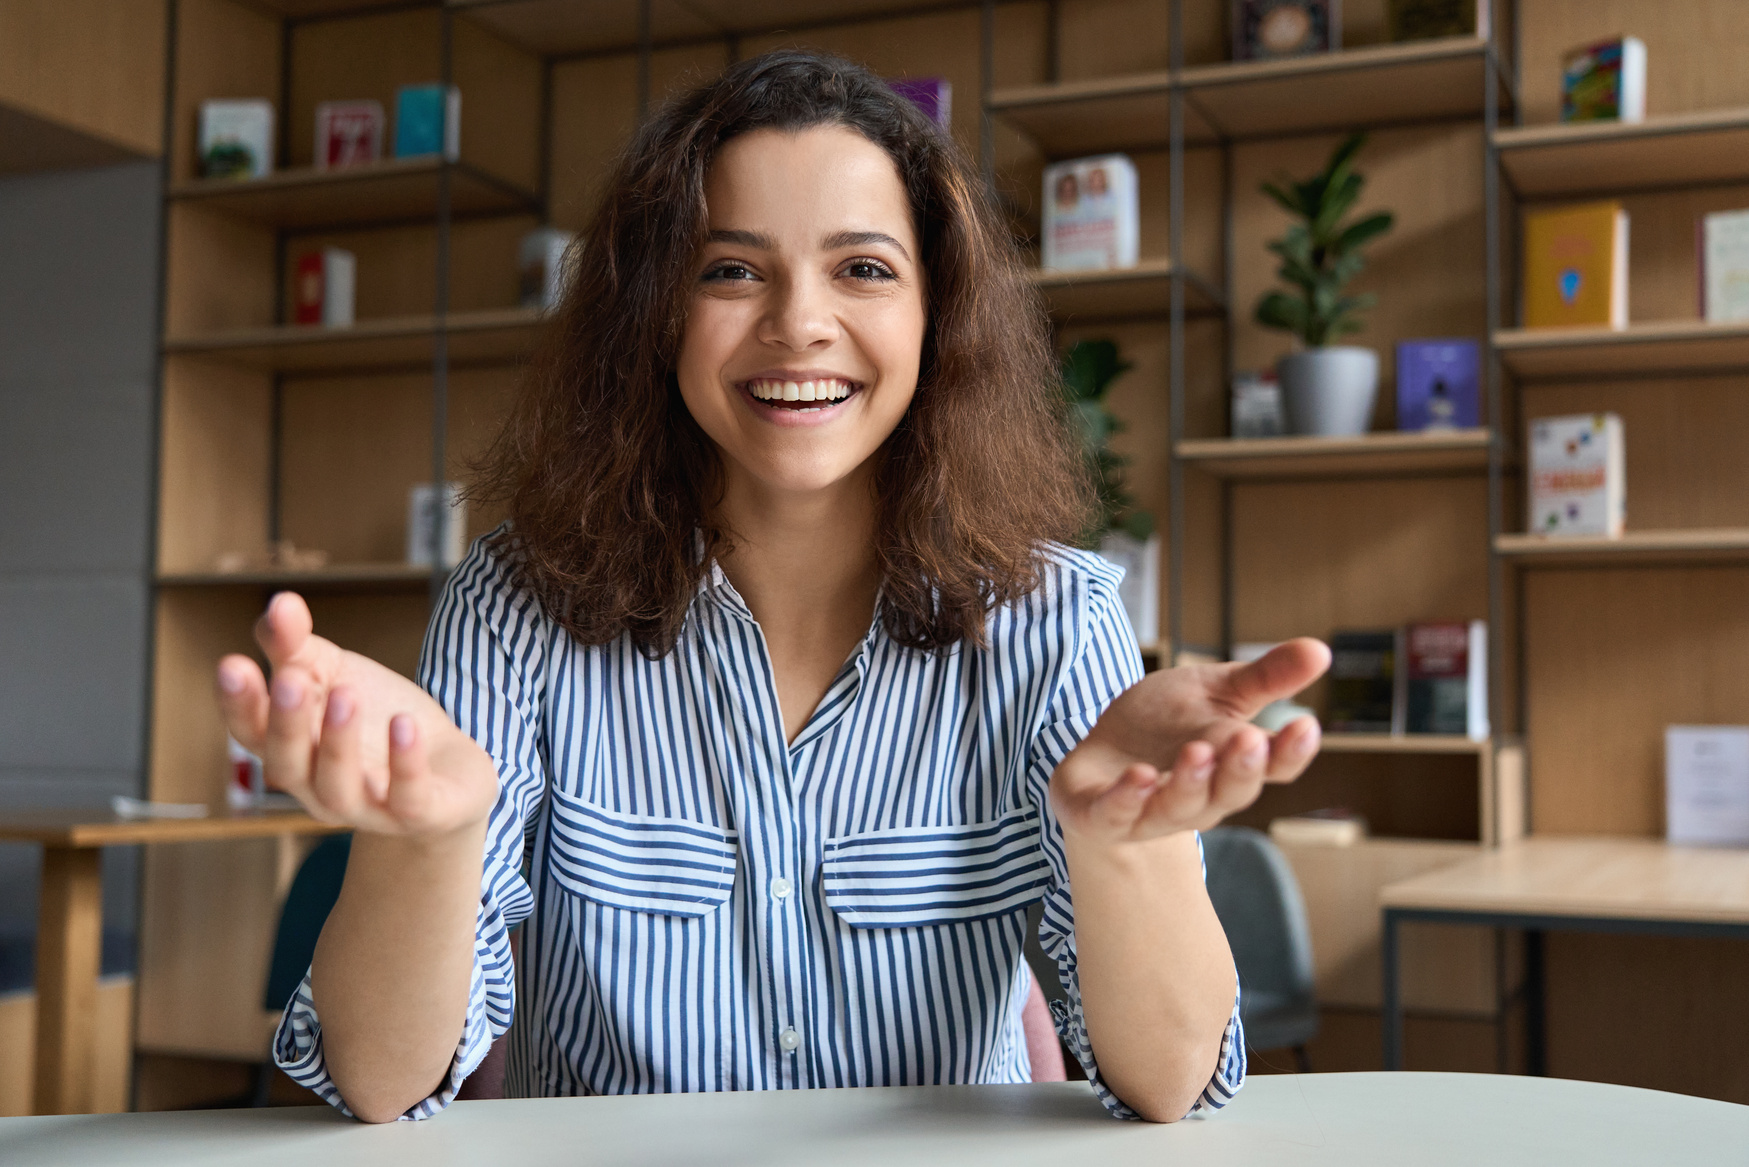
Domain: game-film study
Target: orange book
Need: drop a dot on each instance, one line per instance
(1576, 266)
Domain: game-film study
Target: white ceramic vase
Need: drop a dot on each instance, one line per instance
(1329, 392)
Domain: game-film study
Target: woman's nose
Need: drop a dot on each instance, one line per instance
(800, 315)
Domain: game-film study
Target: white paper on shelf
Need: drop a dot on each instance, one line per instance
(1706, 784)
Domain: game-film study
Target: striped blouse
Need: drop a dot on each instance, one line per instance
(706, 906)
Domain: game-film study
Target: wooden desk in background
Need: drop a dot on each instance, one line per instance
(1622, 885)
(69, 933)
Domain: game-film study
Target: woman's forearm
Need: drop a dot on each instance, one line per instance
(1155, 971)
(392, 970)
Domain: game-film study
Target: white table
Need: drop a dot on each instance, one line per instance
(1314, 1120)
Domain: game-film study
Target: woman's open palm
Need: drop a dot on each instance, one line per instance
(353, 741)
(1177, 751)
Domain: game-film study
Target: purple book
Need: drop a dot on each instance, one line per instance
(932, 95)
(1438, 384)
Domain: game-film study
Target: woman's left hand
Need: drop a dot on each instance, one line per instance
(1177, 751)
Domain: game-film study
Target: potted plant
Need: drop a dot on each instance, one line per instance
(1326, 388)
(1122, 532)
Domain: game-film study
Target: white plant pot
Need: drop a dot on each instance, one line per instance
(1329, 391)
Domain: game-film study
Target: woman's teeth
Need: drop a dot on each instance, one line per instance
(828, 390)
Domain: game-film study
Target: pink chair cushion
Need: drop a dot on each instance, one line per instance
(1043, 1049)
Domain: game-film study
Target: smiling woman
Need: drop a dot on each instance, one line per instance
(778, 700)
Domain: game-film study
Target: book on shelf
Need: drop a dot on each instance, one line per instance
(1438, 384)
(1706, 784)
(1446, 678)
(1366, 684)
(348, 133)
(1724, 267)
(1605, 82)
(236, 138)
(1091, 216)
(542, 267)
(1265, 30)
(1420, 20)
(428, 120)
(1140, 589)
(1576, 266)
(1331, 827)
(1256, 405)
(933, 97)
(423, 538)
(326, 288)
(1578, 476)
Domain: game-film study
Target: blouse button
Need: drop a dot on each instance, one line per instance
(789, 1039)
(780, 888)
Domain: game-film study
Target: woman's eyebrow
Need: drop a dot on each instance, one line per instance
(862, 239)
(756, 239)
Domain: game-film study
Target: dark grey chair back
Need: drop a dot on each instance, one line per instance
(1258, 901)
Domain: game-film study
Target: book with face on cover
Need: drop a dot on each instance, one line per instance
(1091, 216)
(1578, 476)
(1576, 266)
(1269, 29)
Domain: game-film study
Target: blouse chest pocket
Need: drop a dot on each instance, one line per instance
(915, 876)
(673, 867)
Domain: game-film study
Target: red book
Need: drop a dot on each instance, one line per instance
(308, 296)
(348, 133)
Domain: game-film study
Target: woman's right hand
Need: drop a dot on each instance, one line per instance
(356, 743)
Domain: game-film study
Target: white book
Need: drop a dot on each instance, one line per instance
(1724, 266)
(1091, 216)
(1578, 476)
(339, 287)
(421, 533)
(1140, 589)
(542, 267)
(236, 138)
(1706, 784)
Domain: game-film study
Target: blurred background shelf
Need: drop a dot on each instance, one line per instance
(1681, 150)
(490, 336)
(1378, 454)
(1403, 743)
(344, 576)
(1663, 346)
(1124, 293)
(397, 190)
(1635, 547)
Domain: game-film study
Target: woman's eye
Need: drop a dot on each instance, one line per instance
(868, 269)
(728, 272)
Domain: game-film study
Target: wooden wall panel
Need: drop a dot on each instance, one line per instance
(1693, 49)
(1663, 1013)
(387, 628)
(371, 56)
(193, 628)
(213, 479)
(223, 49)
(1685, 440)
(94, 65)
(397, 266)
(113, 1062)
(1663, 261)
(1427, 270)
(220, 273)
(1402, 796)
(354, 446)
(1612, 657)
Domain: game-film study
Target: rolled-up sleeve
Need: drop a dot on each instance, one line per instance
(483, 661)
(1106, 662)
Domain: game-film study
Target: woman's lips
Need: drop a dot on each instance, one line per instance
(793, 400)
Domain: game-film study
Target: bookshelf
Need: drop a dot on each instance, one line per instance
(484, 336)
(1639, 350)
(1141, 291)
(1669, 152)
(1713, 545)
(1377, 454)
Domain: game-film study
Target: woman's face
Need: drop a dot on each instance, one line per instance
(805, 328)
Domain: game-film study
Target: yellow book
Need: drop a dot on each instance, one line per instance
(1576, 266)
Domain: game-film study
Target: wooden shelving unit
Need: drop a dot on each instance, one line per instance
(1568, 160)
(1404, 743)
(1374, 455)
(397, 190)
(1633, 548)
(486, 336)
(1640, 350)
(353, 577)
(1135, 292)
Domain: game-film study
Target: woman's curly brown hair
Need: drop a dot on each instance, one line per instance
(611, 485)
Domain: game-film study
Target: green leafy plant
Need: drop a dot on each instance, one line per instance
(1320, 254)
(1089, 368)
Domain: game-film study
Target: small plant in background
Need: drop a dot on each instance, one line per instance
(1089, 368)
(1320, 254)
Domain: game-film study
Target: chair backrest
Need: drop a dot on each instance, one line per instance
(1258, 901)
(307, 904)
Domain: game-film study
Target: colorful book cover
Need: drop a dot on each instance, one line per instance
(1447, 678)
(326, 288)
(1365, 693)
(1724, 267)
(1091, 218)
(427, 121)
(1267, 29)
(1576, 266)
(1419, 20)
(1438, 384)
(932, 95)
(348, 133)
(1578, 476)
(1605, 82)
(236, 138)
